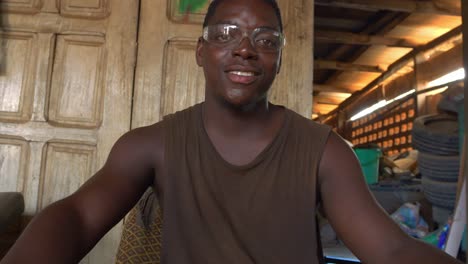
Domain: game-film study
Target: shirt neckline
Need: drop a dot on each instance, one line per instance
(259, 158)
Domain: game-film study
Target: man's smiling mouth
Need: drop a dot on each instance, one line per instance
(242, 77)
(242, 73)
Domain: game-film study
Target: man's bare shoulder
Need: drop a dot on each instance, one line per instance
(146, 134)
(146, 142)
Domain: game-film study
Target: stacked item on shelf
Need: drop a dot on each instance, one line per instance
(436, 138)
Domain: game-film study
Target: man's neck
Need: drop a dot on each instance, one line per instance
(234, 119)
(238, 135)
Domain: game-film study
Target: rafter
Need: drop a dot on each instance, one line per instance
(323, 109)
(327, 100)
(397, 65)
(383, 23)
(330, 88)
(361, 39)
(344, 66)
(337, 22)
(407, 6)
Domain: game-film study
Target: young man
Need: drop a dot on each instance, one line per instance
(238, 178)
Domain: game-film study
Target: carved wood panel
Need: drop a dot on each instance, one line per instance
(66, 81)
(13, 162)
(16, 82)
(65, 167)
(21, 6)
(84, 8)
(76, 96)
(183, 81)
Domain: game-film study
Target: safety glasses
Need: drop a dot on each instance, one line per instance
(227, 36)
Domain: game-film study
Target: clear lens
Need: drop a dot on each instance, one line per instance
(221, 34)
(267, 39)
(229, 36)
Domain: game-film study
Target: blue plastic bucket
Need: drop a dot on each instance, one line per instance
(369, 160)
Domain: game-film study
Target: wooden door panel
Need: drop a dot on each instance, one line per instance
(159, 40)
(13, 161)
(66, 166)
(78, 79)
(85, 8)
(16, 82)
(183, 83)
(65, 97)
(22, 6)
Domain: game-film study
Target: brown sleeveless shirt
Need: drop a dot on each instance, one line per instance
(262, 212)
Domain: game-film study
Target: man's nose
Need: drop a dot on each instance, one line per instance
(245, 49)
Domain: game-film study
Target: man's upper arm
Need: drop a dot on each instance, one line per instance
(349, 206)
(113, 190)
(66, 230)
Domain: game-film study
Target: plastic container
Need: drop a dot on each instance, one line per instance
(369, 160)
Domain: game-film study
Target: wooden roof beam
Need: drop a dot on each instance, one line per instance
(382, 25)
(327, 100)
(323, 109)
(407, 6)
(346, 24)
(344, 66)
(331, 89)
(397, 65)
(361, 39)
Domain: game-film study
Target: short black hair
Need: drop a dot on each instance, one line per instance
(215, 3)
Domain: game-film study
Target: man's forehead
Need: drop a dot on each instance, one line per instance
(250, 13)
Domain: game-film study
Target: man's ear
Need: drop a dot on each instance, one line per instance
(199, 53)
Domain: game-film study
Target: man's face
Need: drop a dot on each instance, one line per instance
(240, 75)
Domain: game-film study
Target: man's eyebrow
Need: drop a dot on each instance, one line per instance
(229, 22)
(226, 22)
(270, 27)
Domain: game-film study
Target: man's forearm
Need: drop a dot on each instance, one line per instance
(53, 236)
(415, 251)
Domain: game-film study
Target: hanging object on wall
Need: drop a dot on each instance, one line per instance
(191, 6)
(187, 11)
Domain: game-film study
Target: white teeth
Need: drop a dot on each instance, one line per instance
(243, 73)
